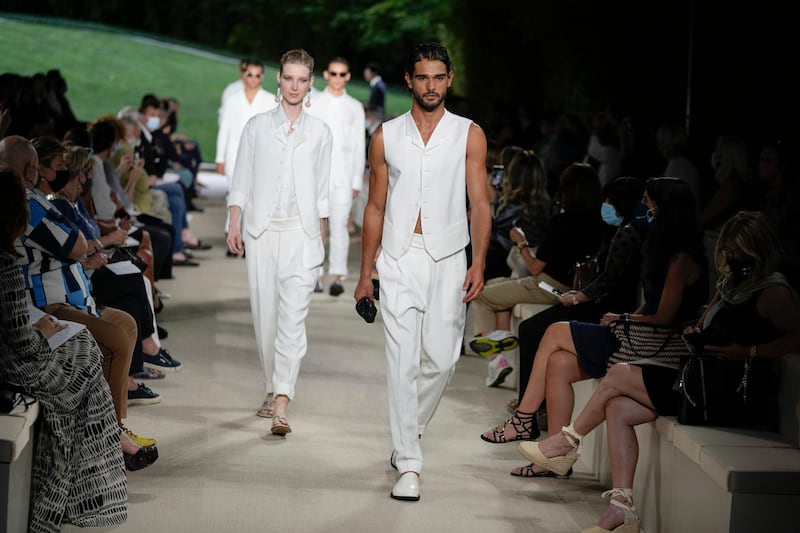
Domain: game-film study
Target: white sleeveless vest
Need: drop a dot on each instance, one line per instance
(429, 180)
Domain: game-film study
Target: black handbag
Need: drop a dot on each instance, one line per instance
(719, 391)
(10, 397)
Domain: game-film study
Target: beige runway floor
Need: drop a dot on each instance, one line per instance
(221, 470)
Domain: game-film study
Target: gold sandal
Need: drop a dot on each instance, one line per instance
(266, 409)
(280, 426)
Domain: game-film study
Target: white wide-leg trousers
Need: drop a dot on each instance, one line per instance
(423, 318)
(280, 294)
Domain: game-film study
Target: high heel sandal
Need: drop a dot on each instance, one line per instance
(632, 521)
(559, 464)
(525, 428)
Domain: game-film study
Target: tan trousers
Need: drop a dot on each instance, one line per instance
(115, 332)
(502, 294)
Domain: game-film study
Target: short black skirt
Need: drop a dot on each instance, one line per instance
(593, 344)
(659, 381)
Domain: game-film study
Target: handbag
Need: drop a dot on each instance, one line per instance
(719, 391)
(10, 397)
(125, 254)
(585, 272)
(639, 341)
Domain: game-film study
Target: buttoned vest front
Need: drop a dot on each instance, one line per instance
(429, 181)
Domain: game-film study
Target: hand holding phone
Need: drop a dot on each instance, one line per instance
(366, 309)
(549, 288)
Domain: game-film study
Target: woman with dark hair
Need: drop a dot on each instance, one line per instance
(755, 314)
(78, 471)
(570, 236)
(614, 289)
(675, 287)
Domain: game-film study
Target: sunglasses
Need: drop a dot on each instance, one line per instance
(334, 74)
(251, 75)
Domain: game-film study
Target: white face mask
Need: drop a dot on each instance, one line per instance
(134, 141)
(153, 123)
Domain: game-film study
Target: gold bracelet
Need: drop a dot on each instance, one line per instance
(523, 244)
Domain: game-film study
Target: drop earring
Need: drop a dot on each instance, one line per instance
(308, 99)
(278, 95)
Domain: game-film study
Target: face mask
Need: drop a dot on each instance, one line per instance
(641, 219)
(609, 214)
(741, 269)
(153, 123)
(649, 216)
(134, 141)
(61, 179)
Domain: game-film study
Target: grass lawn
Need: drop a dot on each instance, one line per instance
(107, 69)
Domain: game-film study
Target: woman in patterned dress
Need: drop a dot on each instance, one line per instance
(78, 472)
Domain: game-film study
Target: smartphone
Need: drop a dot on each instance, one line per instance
(549, 288)
(497, 176)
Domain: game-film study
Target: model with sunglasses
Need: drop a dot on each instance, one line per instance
(344, 115)
(279, 192)
(236, 110)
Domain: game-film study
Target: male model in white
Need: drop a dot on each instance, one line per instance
(280, 186)
(345, 117)
(423, 164)
(236, 110)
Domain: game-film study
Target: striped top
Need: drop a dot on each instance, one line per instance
(51, 277)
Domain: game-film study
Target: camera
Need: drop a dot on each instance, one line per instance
(497, 177)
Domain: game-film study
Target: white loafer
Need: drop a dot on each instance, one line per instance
(407, 487)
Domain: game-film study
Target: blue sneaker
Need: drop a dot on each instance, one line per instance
(143, 395)
(162, 361)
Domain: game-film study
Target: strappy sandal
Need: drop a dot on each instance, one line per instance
(280, 426)
(525, 428)
(528, 471)
(266, 409)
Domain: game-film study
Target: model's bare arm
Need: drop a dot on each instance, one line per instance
(480, 216)
(372, 226)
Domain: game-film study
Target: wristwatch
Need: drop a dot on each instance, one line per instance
(523, 244)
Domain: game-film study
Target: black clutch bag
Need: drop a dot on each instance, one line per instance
(366, 308)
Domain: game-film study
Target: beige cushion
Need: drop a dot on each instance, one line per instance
(692, 439)
(15, 430)
(753, 469)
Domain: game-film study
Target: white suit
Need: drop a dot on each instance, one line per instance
(422, 274)
(345, 117)
(281, 183)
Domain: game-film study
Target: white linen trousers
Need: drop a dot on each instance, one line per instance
(280, 295)
(423, 316)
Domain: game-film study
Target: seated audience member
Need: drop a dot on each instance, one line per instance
(675, 287)
(524, 203)
(153, 150)
(571, 236)
(614, 289)
(759, 314)
(53, 254)
(127, 292)
(78, 474)
(106, 133)
(186, 152)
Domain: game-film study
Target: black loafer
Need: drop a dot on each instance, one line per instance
(185, 263)
(146, 456)
(200, 245)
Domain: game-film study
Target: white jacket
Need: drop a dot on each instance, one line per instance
(256, 182)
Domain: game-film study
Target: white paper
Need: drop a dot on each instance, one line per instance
(121, 268)
(62, 336)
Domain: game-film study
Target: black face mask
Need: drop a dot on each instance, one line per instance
(61, 179)
(741, 269)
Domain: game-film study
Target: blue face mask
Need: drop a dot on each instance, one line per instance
(153, 123)
(609, 214)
